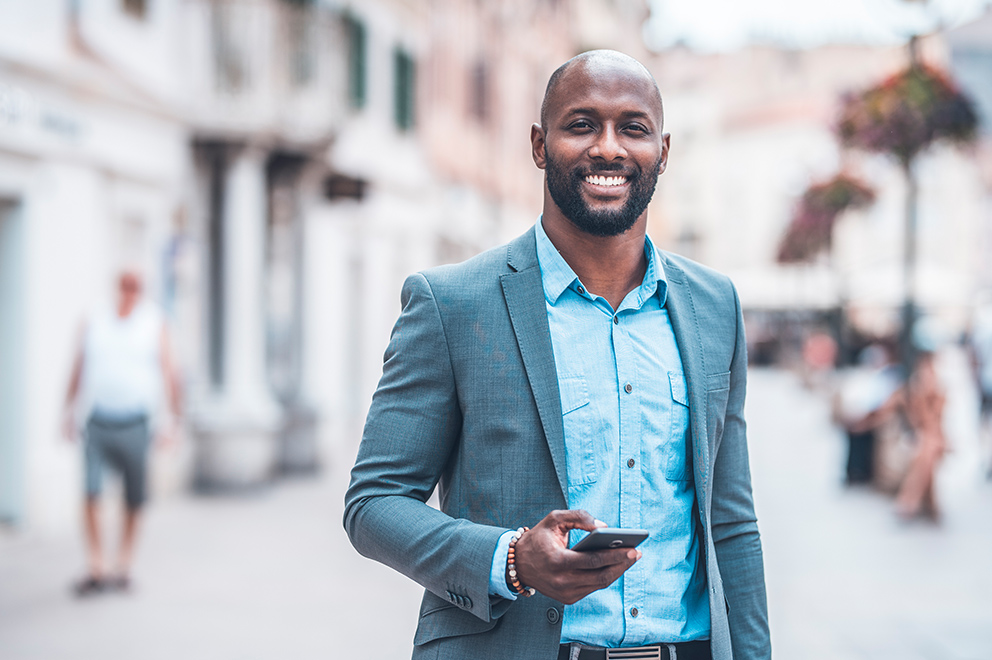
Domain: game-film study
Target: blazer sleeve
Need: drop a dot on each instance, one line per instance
(411, 432)
(735, 527)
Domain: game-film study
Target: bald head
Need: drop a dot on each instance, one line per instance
(129, 285)
(608, 64)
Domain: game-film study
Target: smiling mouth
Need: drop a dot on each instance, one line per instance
(608, 181)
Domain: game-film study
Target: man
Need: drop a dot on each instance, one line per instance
(122, 363)
(574, 376)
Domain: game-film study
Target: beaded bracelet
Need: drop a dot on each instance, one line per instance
(511, 567)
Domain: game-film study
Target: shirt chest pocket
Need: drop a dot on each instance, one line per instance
(577, 423)
(675, 448)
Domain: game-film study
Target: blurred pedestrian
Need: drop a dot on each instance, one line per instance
(863, 404)
(121, 365)
(819, 360)
(924, 405)
(981, 350)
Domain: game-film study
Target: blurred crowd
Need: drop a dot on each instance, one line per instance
(890, 400)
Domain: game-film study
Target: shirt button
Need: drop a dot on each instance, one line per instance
(631, 463)
(628, 388)
(581, 290)
(553, 615)
(616, 320)
(633, 611)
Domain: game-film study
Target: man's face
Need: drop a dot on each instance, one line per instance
(603, 147)
(129, 288)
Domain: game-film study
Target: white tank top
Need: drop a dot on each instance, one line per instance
(122, 363)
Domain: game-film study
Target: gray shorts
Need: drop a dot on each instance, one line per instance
(121, 444)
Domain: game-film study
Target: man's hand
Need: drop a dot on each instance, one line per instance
(544, 561)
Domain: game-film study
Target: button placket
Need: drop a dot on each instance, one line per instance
(630, 431)
(629, 422)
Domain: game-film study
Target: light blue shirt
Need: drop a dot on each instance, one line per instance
(626, 421)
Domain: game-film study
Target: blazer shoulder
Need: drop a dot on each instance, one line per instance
(484, 270)
(696, 275)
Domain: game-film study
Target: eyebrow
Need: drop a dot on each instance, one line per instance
(593, 111)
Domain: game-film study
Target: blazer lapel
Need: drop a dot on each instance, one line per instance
(689, 339)
(524, 293)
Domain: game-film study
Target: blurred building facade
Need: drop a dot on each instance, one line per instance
(971, 61)
(279, 166)
(752, 129)
(276, 167)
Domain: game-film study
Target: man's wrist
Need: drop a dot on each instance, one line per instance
(498, 585)
(512, 579)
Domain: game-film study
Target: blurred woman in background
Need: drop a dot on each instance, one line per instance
(924, 406)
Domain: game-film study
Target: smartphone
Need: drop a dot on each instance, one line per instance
(604, 538)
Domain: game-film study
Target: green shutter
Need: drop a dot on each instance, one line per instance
(403, 89)
(355, 34)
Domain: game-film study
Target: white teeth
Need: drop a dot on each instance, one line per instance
(606, 180)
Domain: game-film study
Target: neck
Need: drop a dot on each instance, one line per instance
(609, 266)
(124, 309)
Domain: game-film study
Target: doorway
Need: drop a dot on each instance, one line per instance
(12, 401)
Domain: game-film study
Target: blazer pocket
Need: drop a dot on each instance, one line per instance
(577, 423)
(716, 382)
(717, 394)
(441, 619)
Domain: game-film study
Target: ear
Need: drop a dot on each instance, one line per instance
(537, 146)
(666, 141)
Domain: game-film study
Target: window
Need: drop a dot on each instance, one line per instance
(479, 97)
(356, 40)
(230, 63)
(301, 26)
(403, 89)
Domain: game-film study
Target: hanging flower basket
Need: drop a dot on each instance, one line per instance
(810, 231)
(905, 113)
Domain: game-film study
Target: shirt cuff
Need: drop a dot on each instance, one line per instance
(497, 575)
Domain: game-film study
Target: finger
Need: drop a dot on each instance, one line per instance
(589, 561)
(588, 581)
(575, 519)
(611, 574)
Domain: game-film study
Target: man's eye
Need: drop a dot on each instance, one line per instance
(580, 125)
(637, 128)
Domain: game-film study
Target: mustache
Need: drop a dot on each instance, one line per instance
(607, 169)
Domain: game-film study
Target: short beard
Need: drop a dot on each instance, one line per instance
(566, 191)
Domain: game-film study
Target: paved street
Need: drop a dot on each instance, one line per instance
(273, 575)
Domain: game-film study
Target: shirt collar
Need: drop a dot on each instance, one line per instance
(557, 275)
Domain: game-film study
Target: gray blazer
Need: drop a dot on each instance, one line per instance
(468, 403)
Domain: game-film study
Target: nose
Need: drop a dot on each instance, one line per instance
(608, 145)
